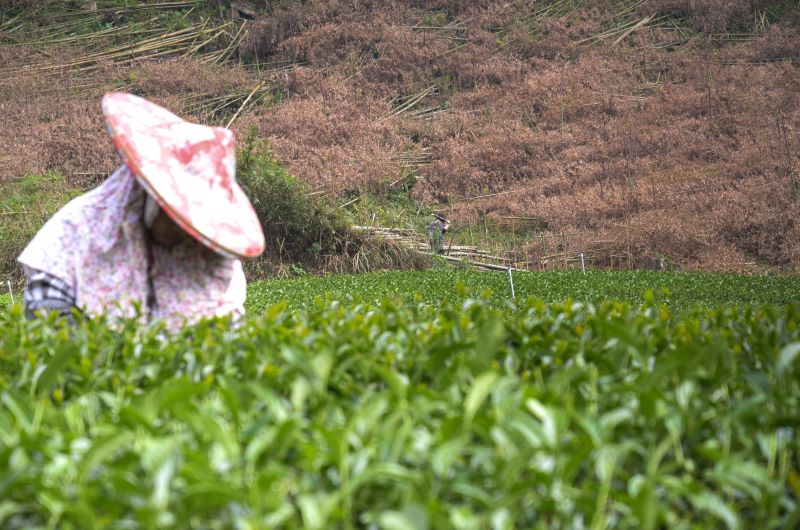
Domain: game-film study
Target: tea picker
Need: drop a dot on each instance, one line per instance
(161, 239)
(435, 231)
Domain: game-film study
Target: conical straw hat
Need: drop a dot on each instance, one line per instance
(189, 169)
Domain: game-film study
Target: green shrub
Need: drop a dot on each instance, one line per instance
(25, 205)
(298, 227)
(395, 416)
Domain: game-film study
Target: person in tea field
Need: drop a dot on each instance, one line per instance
(436, 231)
(161, 238)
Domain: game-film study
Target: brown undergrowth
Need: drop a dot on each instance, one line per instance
(667, 130)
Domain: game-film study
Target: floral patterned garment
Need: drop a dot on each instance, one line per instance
(96, 245)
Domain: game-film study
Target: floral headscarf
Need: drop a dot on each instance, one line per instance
(96, 244)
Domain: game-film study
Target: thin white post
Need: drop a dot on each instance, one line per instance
(511, 282)
(10, 292)
(583, 266)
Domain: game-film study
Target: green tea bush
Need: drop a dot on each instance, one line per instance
(397, 415)
(680, 291)
(294, 222)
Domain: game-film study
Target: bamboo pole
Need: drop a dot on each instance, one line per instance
(416, 98)
(156, 46)
(237, 39)
(243, 105)
(486, 196)
(205, 22)
(116, 10)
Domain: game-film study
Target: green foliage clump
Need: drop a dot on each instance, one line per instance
(392, 415)
(25, 205)
(298, 227)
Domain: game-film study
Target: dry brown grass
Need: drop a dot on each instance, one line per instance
(54, 121)
(676, 141)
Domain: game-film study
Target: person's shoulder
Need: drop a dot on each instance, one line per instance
(52, 247)
(74, 206)
(78, 210)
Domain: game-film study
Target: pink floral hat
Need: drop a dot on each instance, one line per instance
(189, 169)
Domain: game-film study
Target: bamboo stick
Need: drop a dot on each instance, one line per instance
(117, 10)
(243, 105)
(10, 21)
(158, 41)
(410, 102)
(628, 27)
(451, 50)
(490, 266)
(205, 22)
(126, 49)
(237, 39)
(76, 38)
(486, 196)
(348, 203)
(193, 49)
(633, 28)
(143, 50)
(230, 101)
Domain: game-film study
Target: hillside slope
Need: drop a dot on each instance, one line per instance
(665, 129)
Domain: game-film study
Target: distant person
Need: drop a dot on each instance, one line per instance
(436, 231)
(164, 233)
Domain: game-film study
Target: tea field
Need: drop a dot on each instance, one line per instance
(679, 291)
(356, 403)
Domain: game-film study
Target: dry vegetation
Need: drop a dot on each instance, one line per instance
(665, 128)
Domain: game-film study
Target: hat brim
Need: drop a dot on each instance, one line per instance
(189, 170)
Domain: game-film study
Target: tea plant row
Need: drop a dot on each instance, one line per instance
(406, 415)
(680, 291)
